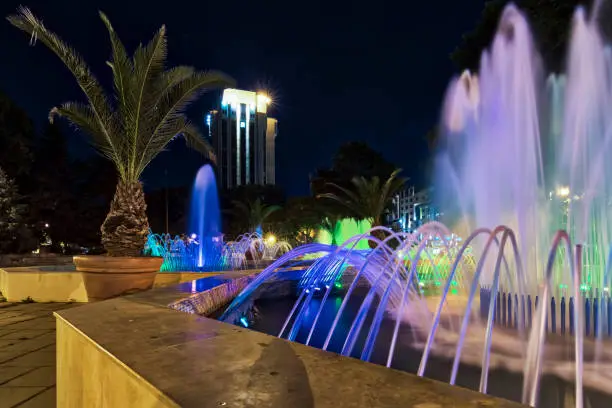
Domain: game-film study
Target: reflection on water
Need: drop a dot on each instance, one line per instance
(502, 383)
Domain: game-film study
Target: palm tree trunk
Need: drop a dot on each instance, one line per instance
(125, 229)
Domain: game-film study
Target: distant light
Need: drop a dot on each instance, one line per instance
(271, 239)
(242, 124)
(194, 236)
(46, 225)
(563, 191)
(244, 321)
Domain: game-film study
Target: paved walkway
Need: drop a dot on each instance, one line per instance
(27, 354)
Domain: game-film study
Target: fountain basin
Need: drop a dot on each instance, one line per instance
(156, 356)
(63, 283)
(507, 358)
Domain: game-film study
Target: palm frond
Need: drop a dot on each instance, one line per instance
(83, 117)
(180, 90)
(157, 142)
(148, 62)
(150, 101)
(122, 68)
(368, 199)
(100, 108)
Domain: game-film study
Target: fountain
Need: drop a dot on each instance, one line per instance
(530, 152)
(521, 307)
(205, 219)
(204, 249)
(343, 230)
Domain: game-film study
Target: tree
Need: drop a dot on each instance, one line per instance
(368, 199)
(130, 129)
(16, 137)
(550, 21)
(353, 159)
(50, 187)
(10, 213)
(357, 159)
(254, 214)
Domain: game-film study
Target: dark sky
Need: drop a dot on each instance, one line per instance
(372, 71)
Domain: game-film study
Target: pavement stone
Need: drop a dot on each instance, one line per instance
(27, 354)
(14, 396)
(7, 373)
(45, 399)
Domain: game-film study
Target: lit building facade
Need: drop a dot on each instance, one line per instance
(411, 209)
(243, 138)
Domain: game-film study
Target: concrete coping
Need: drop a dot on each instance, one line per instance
(193, 361)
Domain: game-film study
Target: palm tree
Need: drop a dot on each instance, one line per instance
(254, 213)
(145, 112)
(368, 199)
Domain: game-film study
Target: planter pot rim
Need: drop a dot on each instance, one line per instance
(107, 257)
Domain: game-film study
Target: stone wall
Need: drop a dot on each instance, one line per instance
(8, 260)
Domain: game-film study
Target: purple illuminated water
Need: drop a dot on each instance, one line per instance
(531, 151)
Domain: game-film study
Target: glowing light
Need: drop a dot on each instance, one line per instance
(563, 192)
(244, 321)
(242, 124)
(338, 285)
(46, 225)
(271, 239)
(194, 236)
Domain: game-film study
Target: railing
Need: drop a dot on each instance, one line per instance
(512, 309)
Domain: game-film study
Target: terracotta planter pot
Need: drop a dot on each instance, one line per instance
(106, 277)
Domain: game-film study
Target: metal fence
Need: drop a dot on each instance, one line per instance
(511, 309)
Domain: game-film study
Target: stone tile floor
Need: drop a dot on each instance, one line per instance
(27, 354)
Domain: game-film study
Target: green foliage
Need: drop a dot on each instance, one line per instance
(253, 215)
(146, 109)
(367, 198)
(550, 21)
(11, 212)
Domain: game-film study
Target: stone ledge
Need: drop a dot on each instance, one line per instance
(179, 359)
(62, 283)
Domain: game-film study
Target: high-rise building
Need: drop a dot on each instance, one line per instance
(243, 138)
(411, 208)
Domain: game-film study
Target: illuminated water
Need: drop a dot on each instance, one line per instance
(431, 283)
(532, 152)
(344, 230)
(182, 253)
(205, 218)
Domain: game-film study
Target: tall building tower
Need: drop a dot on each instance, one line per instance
(243, 138)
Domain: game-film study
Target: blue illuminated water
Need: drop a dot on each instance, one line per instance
(205, 217)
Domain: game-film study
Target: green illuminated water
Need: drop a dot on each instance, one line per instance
(343, 231)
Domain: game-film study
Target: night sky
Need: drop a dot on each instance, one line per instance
(338, 70)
